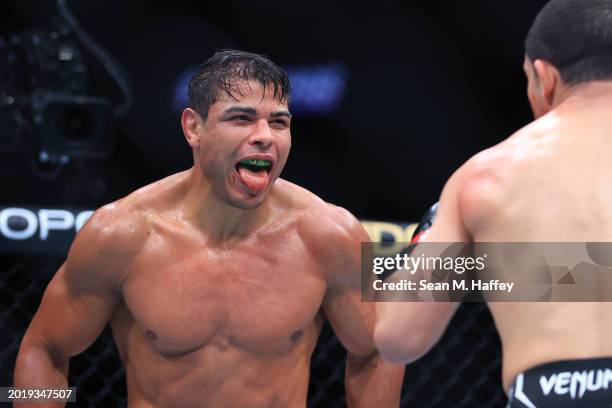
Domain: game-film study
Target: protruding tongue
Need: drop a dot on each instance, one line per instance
(256, 181)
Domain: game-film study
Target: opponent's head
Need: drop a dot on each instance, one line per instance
(237, 124)
(570, 42)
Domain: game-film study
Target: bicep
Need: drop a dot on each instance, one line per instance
(351, 319)
(72, 313)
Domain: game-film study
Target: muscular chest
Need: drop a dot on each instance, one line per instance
(254, 298)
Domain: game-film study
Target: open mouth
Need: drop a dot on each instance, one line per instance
(254, 173)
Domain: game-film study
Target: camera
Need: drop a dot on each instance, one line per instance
(45, 89)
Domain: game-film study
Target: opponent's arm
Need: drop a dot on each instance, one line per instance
(75, 307)
(369, 380)
(406, 331)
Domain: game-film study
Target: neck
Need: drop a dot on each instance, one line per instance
(585, 94)
(217, 219)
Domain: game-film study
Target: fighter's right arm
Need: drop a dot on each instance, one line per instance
(78, 302)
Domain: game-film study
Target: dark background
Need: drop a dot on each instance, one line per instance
(428, 84)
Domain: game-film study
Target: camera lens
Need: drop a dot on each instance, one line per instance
(77, 123)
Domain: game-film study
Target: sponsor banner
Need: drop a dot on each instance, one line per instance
(39, 231)
(50, 231)
(389, 233)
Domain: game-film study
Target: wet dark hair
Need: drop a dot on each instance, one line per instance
(221, 71)
(576, 37)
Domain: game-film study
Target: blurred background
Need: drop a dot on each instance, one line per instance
(390, 97)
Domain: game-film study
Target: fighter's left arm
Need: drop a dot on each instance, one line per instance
(405, 331)
(369, 380)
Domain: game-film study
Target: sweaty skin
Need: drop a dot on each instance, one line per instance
(213, 305)
(549, 182)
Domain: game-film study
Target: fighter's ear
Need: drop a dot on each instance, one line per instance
(549, 81)
(192, 124)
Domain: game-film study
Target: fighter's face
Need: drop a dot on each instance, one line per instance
(244, 144)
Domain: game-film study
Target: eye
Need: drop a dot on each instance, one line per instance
(240, 118)
(282, 123)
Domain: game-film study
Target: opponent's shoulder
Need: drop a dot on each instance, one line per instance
(505, 164)
(519, 153)
(480, 188)
(489, 181)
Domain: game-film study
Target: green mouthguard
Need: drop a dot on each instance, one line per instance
(256, 162)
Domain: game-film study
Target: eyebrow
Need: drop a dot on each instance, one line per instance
(241, 109)
(253, 111)
(281, 113)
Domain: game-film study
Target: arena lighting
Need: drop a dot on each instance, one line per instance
(316, 89)
(52, 101)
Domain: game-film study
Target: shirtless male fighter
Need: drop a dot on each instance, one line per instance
(216, 281)
(550, 181)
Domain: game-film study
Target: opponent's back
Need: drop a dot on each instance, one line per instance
(550, 182)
